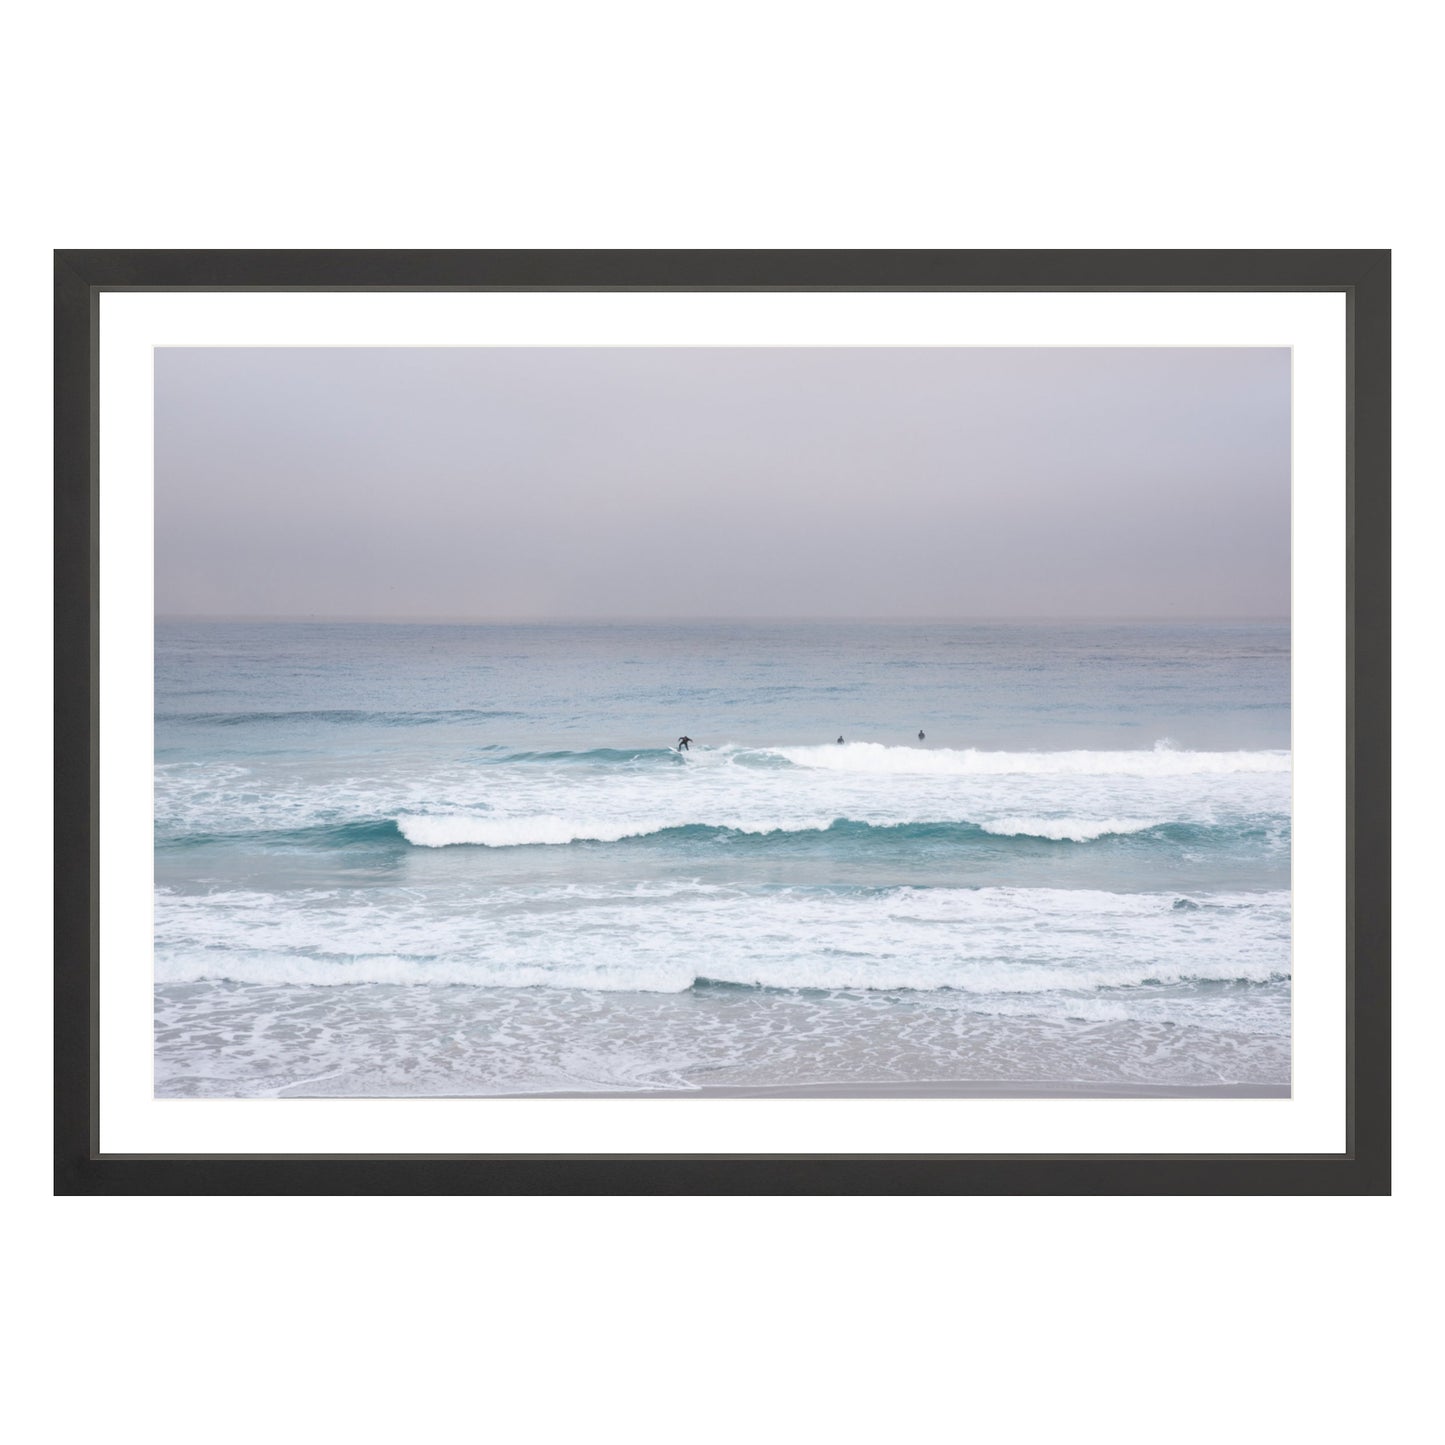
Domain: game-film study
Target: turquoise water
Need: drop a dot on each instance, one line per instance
(468, 859)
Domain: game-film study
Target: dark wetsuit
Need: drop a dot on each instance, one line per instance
(682, 745)
(920, 734)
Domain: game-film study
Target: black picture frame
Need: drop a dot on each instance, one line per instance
(81, 277)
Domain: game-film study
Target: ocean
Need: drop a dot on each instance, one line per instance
(415, 859)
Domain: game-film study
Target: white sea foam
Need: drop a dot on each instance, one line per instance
(797, 789)
(994, 941)
(1159, 762)
(661, 976)
(492, 832)
(1073, 830)
(215, 1038)
(487, 831)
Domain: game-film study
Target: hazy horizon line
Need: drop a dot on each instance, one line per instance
(465, 620)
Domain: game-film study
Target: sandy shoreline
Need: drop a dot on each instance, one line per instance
(941, 1089)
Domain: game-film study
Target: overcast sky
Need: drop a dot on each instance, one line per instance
(766, 482)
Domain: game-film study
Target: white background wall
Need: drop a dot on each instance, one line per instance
(772, 124)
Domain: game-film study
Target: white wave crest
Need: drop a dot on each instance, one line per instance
(488, 831)
(757, 791)
(970, 762)
(492, 832)
(1067, 830)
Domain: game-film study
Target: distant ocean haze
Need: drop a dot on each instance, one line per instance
(723, 481)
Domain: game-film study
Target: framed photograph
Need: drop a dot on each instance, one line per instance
(722, 722)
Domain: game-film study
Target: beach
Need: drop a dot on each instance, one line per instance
(947, 1089)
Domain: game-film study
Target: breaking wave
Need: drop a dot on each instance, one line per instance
(677, 977)
(669, 938)
(1158, 762)
(555, 830)
(484, 831)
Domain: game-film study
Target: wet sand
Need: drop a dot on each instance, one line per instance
(943, 1089)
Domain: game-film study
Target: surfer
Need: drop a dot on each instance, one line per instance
(840, 737)
(682, 744)
(920, 734)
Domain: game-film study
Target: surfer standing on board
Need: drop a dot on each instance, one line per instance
(682, 744)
